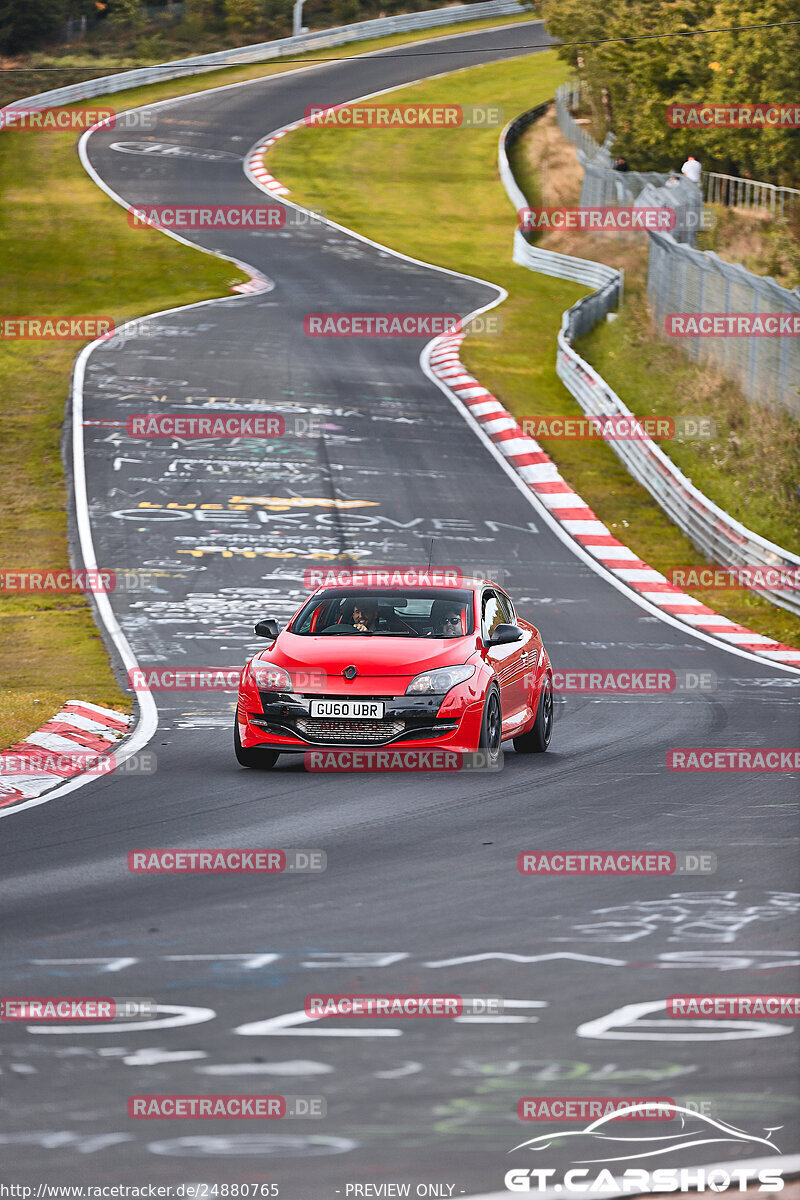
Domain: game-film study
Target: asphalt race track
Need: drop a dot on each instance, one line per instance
(421, 891)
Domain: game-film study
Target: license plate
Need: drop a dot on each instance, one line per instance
(348, 710)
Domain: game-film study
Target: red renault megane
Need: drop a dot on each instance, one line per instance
(414, 667)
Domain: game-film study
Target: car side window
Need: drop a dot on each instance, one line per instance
(491, 615)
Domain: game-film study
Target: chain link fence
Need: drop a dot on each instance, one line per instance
(683, 280)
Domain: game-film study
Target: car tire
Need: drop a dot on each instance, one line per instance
(491, 727)
(537, 739)
(260, 759)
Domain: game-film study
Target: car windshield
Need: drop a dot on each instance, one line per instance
(412, 612)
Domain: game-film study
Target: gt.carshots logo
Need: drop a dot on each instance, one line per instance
(593, 1147)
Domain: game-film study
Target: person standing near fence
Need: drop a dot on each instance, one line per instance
(692, 169)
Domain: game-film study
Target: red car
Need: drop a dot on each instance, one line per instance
(416, 667)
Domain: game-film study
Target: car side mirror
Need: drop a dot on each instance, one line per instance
(503, 634)
(267, 629)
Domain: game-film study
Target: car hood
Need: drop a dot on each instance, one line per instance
(374, 657)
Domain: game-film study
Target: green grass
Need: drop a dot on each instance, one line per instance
(67, 249)
(437, 197)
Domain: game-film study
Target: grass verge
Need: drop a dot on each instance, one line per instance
(67, 250)
(398, 188)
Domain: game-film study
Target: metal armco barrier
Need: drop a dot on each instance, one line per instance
(241, 55)
(723, 540)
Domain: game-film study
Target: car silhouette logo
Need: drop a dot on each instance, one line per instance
(350, 672)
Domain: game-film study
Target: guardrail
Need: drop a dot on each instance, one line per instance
(736, 192)
(563, 266)
(723, 540)
(261, 51)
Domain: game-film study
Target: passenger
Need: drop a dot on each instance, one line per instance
(446, 618)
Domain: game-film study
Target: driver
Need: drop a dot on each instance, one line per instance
(446, 618)
(365, 615)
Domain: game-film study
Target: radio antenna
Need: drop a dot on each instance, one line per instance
(430, 556)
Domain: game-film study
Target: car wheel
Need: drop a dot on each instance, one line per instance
(265, 759)
(537, 739)
(491, 727)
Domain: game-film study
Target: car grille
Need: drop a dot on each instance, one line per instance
(349, 731)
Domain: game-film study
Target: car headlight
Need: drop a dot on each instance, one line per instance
(269, 678)
(441, 680)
